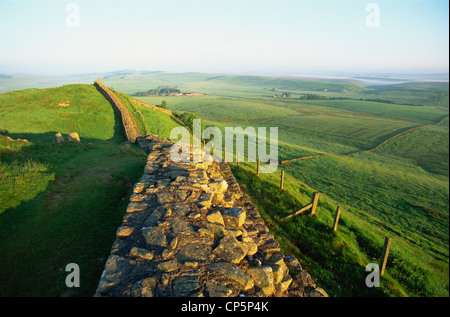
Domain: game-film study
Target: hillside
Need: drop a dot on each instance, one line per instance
(62, 203)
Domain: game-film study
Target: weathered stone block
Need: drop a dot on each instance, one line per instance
(263, 277)
(141, 253)
(155, 236)
(145, 287)
(304, 279)
(58, 138)
(205, 200)
(115, 268)
(132, 207)
(194, 252)
(165, 197)
(219, 187)
(73, 137)
(233, 217)
(283, 285)
(230, 250)
(279, 268)
(181, 226)
(124, 232)
(292, 264)
(156, 215)
(269, 246)
(168, 266)
(232, 272)
(139, 188)
(215, 216)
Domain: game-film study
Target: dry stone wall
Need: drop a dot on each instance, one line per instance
(190, 231)
(131, 130)
(141, 104)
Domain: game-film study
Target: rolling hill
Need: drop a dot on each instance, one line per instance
(62, 203)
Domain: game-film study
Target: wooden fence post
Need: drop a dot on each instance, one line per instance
(336, 218)
(312, 205)
(282, 180)
(258, 168)
(385, 254)
(314, 201)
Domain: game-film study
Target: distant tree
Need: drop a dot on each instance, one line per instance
(163, 104)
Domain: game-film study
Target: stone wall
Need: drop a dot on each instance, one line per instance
(130, 128)
(141, 104)
(190, 231)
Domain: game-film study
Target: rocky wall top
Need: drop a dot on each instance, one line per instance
(190, 231)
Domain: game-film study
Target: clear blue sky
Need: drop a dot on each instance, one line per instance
(258, 36)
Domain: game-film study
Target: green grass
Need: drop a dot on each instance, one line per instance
(150, 121)
(425, 93)
(45, 110)
(338, 134)
(395, 190)
(420, 115)
(337, 260)
(60, 213)
(61, 203)
(427, 148)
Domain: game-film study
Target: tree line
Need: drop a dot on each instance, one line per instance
(160, 91)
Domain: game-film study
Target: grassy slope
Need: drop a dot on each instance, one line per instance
(149, 121)
(337, 259)
(60, 203)
(401, 190)
(44, 111)
(425, 93)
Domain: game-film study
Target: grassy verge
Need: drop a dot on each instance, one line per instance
(337, 260)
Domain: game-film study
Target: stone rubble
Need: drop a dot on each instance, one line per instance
(189, 231)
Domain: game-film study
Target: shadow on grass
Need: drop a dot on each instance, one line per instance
(65, 204)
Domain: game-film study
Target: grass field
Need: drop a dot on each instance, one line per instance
(399, 190)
